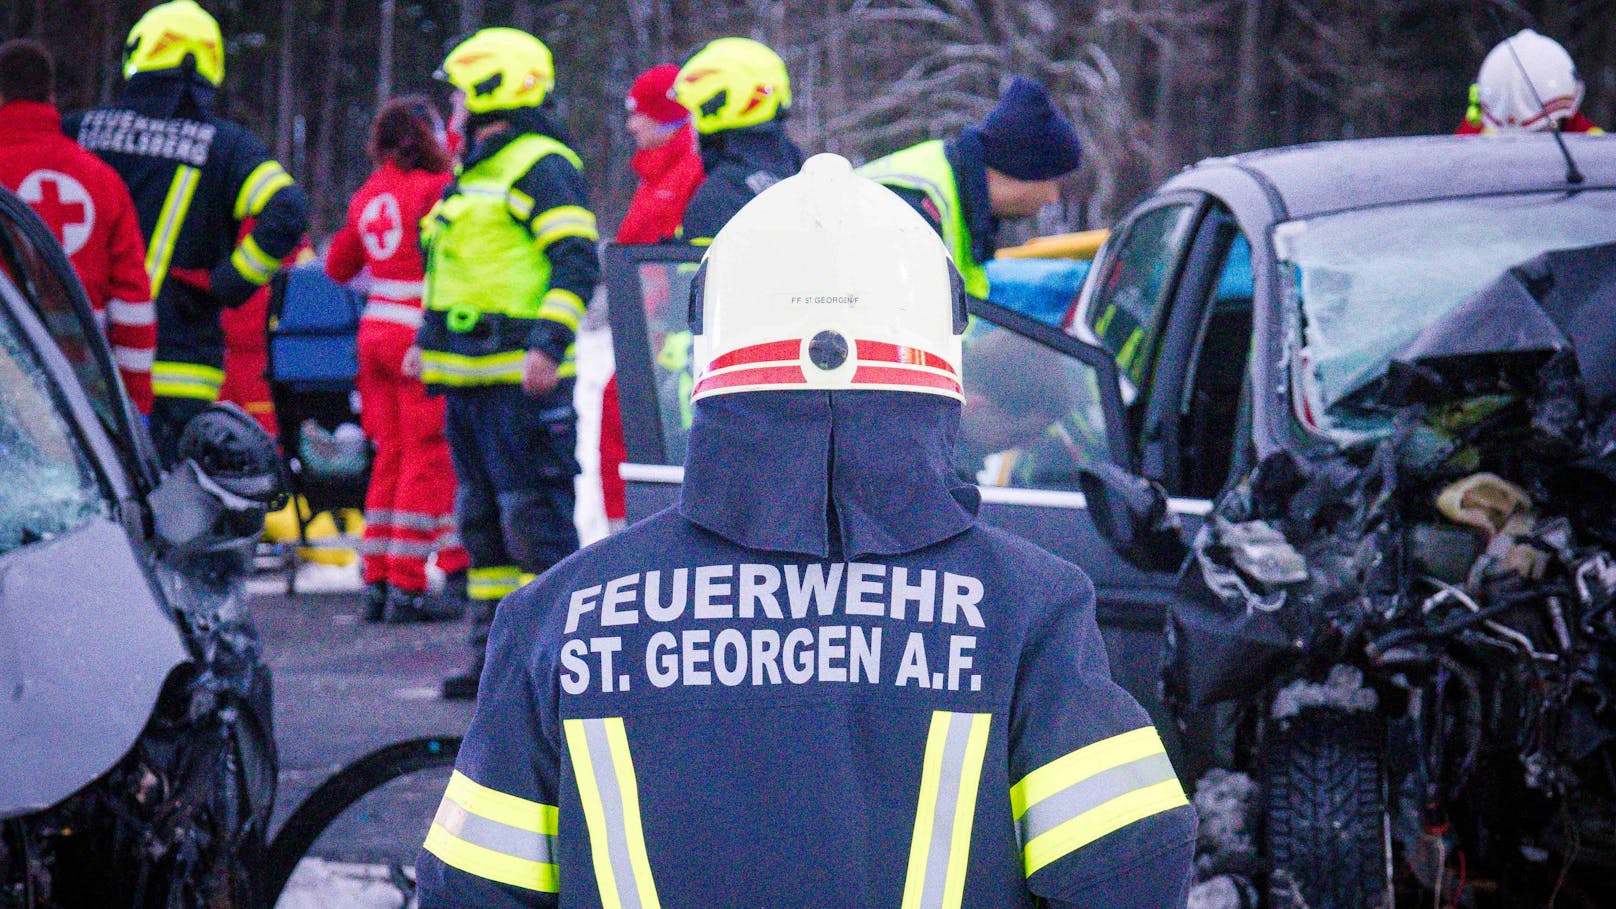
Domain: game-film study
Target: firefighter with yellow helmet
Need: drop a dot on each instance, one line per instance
(738, 92)
(196, 179)
(510, 265)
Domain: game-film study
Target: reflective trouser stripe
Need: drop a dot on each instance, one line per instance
(166, 232)
(492, 583)
(186, 380)
(941, 847)
(1094, 791)
(611, 802)
(496, 836)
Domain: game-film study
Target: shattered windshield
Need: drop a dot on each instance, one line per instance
(1362, 285)
(49, 488)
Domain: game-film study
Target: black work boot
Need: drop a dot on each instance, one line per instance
(373, 601)
(463, 687)
(404, 606)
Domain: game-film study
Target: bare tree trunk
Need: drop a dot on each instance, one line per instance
(283, 109)
(1163, 161)
(323, 178)
(471, 15)
(384, 52)
(1249, 77)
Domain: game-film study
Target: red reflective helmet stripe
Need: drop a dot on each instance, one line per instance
(760, 375)
(898, 375)
(882, 352)
(772, 352)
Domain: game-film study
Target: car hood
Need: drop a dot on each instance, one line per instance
(85, 648)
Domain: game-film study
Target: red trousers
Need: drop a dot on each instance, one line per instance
(409, 507)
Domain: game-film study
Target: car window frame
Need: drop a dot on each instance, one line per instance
(128, 437)
(631, 344)
(1091, 302)
(1188, 312)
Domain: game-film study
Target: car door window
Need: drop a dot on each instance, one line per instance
(1213, 410)
(1134, 284)
(27, 266)
(1034, 413)
(1033, 416)
(50, 488)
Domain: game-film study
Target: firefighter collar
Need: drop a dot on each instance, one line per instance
(842, 474)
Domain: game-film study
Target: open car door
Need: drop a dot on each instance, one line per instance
(1040, 405)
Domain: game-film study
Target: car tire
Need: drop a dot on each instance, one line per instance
(1325, 826)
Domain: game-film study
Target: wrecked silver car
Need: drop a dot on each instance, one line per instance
(1391, 654)
(137, 764)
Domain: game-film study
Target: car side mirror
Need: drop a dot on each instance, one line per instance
(1132, 513)
(228, 477)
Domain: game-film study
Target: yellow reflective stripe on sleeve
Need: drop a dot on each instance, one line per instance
(521, 204)
(252, 263)
(507, 809)
(491, 865)
(564, 221)
(170, 219)
(563, 306)
(940, 849)
(172, 379)
(442, 368)
(604, 769)
(261, 185)
(1092, 792)
(495, 835)
(492, 583)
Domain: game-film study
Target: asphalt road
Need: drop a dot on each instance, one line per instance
(344, 688)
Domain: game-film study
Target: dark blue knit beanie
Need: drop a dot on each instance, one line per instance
(1026, 137)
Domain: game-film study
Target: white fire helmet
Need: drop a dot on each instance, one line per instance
(827, 281)
(1527, 83)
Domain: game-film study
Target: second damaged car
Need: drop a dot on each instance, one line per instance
(1393, 649)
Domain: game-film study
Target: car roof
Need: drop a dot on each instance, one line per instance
(1360, 173)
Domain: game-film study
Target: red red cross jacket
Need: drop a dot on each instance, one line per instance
(88, 208)
(383, 230)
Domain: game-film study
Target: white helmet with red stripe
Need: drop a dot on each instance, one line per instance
(1527, 83)
(827, 281)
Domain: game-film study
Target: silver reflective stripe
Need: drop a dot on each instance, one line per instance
(611, 801)
(491, 834)
(398, 313)
(397, 290)
(940, 851)
(409, 550)
(1086, 795)
(414, 520)
(134, 359)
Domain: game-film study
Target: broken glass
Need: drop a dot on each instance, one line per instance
(1368, 282)
(49, 488)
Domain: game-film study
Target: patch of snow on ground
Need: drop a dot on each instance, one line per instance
(319, 884)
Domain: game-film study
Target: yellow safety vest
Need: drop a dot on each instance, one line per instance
(487, 273)
(925, 168)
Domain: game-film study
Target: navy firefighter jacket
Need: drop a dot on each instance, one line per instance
(818, 681)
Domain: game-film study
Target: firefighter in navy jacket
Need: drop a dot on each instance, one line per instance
(195, 177)
(818, 680)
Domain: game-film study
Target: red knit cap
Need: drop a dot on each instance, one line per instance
(649, 96)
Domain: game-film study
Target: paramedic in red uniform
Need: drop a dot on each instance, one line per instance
(85, 204)
(669, 167)
(409, 508)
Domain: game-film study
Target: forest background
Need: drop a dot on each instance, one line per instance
(1151, 86)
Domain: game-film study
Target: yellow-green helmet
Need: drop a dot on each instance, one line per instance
(171, 32)
(500, 69)
(733, 83)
